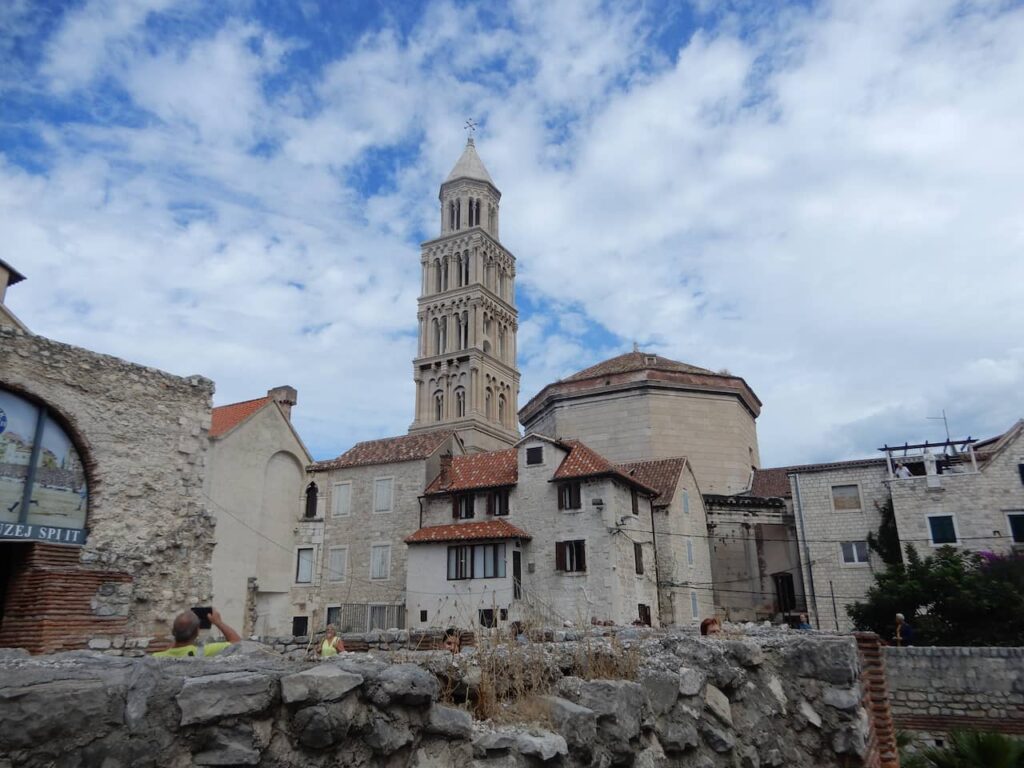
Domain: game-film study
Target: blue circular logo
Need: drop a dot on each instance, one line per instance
(3, 421)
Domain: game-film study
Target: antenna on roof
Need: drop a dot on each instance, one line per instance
(944, 421)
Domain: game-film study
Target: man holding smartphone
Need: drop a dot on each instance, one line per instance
(186, 631)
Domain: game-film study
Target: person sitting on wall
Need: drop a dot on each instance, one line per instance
(904, 632)
(710, 626)
(332, 644)
(186, 631)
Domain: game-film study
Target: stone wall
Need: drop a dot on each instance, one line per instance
(935, 690)
(142, 434)
(771, 701)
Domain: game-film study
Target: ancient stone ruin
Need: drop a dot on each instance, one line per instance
(673, 700)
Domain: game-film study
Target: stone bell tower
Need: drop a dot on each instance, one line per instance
(465, 368)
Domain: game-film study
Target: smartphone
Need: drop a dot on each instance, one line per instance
(203, 612)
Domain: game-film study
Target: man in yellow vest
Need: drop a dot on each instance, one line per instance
(186, 631)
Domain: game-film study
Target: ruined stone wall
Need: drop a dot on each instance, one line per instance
(935, 690)
(782, 700)
(142, 434)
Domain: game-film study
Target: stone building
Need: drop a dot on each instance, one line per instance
(546, 531)
(350, 557)
(9, 276)
(255, 485)
(104, 533)
(639, 406)
(465, 370)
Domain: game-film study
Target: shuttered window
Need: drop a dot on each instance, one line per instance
(569, 496)
(638, 558)
(571, 556)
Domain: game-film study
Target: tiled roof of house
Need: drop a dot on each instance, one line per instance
(227, 417)
(486, 529)
(388, 450)
(635, 361)
(586, 462)
(774, 482)
(662, 475)
(478, 470)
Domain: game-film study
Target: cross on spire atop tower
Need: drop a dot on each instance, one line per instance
(470, 130)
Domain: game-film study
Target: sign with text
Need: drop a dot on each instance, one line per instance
(42, 533)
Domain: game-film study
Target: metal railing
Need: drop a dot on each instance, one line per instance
(362, 617)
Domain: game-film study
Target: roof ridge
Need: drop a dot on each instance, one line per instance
(242, 402)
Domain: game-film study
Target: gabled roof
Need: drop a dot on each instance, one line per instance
(986, 450)
(585, 462)
(636, 361)
(227, 417)
(661, 474)
(493, 469)
(13, 275)
(389, 450)
(470, 166)
(488, 529)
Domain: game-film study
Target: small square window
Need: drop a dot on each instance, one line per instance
(846, 498)
(503, 614)
(535, 455)
(300, 625)
(487, 618)
(942, 529)
(569, 496)
(571, 556)
(855, 552)
(423, 615)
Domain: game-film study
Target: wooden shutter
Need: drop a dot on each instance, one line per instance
(638, 557)
(490, 502)
(561, 494)
(581, 549)
(455, 507)
(575, 491)
(469, 505)
(560, 555)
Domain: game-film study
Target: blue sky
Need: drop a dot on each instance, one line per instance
(823, 198)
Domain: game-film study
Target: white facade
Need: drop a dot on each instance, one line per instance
(614, 542)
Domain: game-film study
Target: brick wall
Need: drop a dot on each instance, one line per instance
(935, 690)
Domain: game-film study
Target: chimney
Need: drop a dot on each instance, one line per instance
(286, 397)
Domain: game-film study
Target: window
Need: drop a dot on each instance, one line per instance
(689, 551)
(30, 439)
(846, 498)
(460, 402)
(460, 563)
(855, 552)
(300, 625)
(1016, 520)
(438, 406)
(501, 409)
(686, 502)
(377, 617)
(337, 564)
(465, 268)
(462, 506)
(638, 558)
(497, 502)
(382, 494)
(488, 399)
(571, 556)
(535, 455)
(342, 498)
(694, 606)
(334, 617)
(423, 615)
(487, 618)
(942, 529)
(304, 565)
(569, 496)
(380, 561)
(644, 614)
(635, 499)
(311, 495)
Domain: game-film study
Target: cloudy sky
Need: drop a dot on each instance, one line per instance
(824, 198)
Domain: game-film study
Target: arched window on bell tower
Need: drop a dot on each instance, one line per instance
(444, 274)
(437, 275)
(435, 328)
(458, 213)
(465, 268)
(460, 402)
(488, 404)
(501, 409)
(439, 406)
(464, 339)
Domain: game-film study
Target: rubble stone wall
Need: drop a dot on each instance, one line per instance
(142, 434)
(935, 690)
(689, 701)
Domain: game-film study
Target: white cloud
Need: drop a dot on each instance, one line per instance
(825, 202)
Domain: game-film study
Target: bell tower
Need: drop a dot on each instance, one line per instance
(465, 368)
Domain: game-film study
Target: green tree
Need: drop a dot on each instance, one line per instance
(950, 598)
(887, 541)
(973, 749)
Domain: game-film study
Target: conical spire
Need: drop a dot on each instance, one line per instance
(470, 166)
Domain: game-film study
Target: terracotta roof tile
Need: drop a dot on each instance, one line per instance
(389, 450)
(478, 470)
(583, 461)
(635, 361)
(662, 475)
(227, 417)
(771, 483)
(487, 529)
